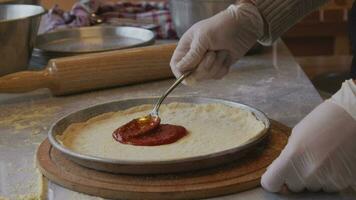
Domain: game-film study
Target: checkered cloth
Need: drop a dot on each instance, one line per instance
(156, 13)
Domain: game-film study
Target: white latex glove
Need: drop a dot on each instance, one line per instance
(321, 152)
(212, 45)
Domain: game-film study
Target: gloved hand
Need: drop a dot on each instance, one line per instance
(321, 152)
(212, 45)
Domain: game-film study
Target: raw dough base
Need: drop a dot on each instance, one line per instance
(212, 128)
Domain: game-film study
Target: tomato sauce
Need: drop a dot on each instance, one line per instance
(136, 127)
(148, 131)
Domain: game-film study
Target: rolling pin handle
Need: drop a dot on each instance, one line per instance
(25, 81)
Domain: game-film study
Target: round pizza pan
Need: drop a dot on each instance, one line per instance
(74, 41)
(153, 167)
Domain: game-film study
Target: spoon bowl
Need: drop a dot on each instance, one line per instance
(145, 124)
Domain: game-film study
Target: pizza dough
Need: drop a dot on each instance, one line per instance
(211, 128)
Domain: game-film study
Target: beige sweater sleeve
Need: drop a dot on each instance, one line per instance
(280, 15)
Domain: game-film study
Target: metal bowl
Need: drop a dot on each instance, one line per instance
(18, 29)
(153, 167)
(33, 2)
(185, 13)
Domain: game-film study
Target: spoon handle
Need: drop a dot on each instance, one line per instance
(170, 89)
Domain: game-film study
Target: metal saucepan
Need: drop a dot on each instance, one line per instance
(156, 167)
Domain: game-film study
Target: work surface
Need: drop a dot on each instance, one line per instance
(272, 82)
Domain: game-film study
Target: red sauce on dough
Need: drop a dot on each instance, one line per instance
(136, 127)
(163, 134)
(148, 133)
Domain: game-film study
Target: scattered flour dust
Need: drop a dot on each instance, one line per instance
(41, 194)
(37, 188)
(25, 118)
(21, 117)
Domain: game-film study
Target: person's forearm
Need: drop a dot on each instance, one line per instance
(280, 15)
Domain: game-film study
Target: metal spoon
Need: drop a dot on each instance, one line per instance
(154, 113)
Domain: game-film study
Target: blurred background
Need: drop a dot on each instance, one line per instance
(319, 43)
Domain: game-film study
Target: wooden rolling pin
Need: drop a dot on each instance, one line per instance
(94, 71)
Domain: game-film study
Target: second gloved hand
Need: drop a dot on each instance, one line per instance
(212, 45)
(320, 154)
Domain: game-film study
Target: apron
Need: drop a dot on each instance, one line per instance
(352, 34)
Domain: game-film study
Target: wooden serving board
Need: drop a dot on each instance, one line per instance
(238, 176)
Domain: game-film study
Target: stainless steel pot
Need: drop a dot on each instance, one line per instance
(18, 29)
(185, 13)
